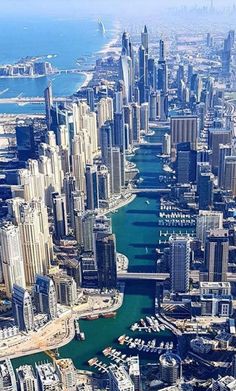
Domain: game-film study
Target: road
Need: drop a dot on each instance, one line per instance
(33, 99)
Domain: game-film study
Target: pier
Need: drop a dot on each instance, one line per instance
(148, 347)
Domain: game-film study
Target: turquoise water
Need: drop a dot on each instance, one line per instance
(69, 40)
(135, 226)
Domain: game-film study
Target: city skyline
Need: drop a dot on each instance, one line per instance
(102, 7)
(118, 197)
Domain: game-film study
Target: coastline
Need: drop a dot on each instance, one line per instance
(110, 46)
(88, 79)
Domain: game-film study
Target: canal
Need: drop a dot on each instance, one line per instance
(137, 234)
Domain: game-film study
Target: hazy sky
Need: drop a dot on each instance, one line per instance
(69, 8)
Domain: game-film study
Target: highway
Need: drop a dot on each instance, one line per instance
(35, 99)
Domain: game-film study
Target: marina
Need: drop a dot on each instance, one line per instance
(176, 219)
(145, 346)
(150, 324)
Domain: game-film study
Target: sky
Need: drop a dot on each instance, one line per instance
(64, 8)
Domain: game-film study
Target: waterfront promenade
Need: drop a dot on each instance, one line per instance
(60, 331)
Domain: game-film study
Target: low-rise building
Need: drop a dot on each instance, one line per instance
(7, 376)
(216, 299)
(67, 373)
(224, 339)
(119, 379)
(26, 378)
(48, 378)
(227, 383)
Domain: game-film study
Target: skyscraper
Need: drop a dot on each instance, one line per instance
(104, 184)
(170, 368)
(180, 263)
(25, 140)
(184, 129)
(153, 106)
(144, 116)
(229, 181)
(142, 73)
(69, 187)
(48, 105)
(207, 221)
(152, 74)
(105, 111)
(162, 69)
(205, 190)
(45, 297)
(66, 290)
(11, 257)
(126, 43)
(166, 144)
(126, 74)
(119, 131)
(224, 150)
(227, 54)
(216, 137)
(105, 257)
(90, 98)
(186, 163)
(144, 39)
(22, 308)
(217, 254)
(115, 170)
(59, 215)
(32, 220)
(87, 223)
(136, 125)
(91, 177)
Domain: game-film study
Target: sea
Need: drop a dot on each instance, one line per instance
(64, 43)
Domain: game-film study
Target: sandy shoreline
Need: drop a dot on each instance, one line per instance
(112, 46)
(88, 78)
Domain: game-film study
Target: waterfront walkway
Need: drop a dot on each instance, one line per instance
(54, 334)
